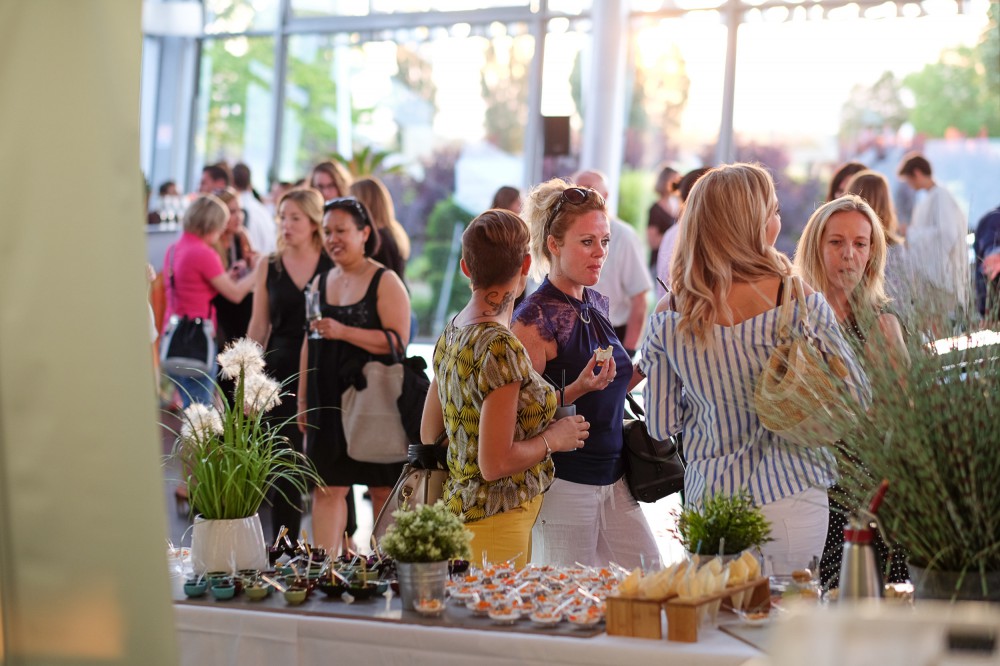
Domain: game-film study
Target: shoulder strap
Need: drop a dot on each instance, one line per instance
(785, 320)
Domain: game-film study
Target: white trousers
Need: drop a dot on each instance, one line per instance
(798, 527)
(592, 525)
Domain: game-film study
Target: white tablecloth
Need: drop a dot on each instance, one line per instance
(219, 636)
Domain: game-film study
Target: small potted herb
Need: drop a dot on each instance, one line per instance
(730, 523)
(422, 541)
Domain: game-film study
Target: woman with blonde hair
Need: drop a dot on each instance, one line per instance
(588, 514)
(498, 469)
(843, 253)
(279, 320)
(394, 244)
(873, 187)
(709, 342)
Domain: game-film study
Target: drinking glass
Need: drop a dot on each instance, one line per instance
(313, 311)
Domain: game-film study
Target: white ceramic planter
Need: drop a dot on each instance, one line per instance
(228, 545)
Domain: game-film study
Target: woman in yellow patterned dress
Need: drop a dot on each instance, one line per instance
(495, 409)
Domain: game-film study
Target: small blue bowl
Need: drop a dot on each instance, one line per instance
(195, 588)
(224, 591)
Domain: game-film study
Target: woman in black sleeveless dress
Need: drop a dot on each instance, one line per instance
(360, 298)
(279, 322)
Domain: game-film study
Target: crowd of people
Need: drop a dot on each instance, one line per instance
(529, 389)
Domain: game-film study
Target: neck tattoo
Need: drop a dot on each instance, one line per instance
(497, 307)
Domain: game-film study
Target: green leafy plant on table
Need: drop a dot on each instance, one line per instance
(733, 518)
(426, 533)
(231, 459)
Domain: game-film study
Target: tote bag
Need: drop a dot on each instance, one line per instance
(381, 410)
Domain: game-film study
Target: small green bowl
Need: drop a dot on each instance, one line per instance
(295, 596)
(256, 592)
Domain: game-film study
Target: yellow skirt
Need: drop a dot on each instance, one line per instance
(506, 535)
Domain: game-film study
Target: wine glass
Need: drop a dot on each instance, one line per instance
(313, 311)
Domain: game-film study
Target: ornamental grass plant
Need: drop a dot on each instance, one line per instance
(233, 457)
(426, 533)
(933, 430)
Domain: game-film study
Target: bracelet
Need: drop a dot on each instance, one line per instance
(548, 450)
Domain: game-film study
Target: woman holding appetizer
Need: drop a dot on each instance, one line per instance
(497, 411)
(709, 342)
(279, 320)
(843, 253)
(588, 515)
(359, 300)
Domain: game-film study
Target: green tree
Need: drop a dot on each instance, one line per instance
(504, 82)
(953, 92)
(874, 107)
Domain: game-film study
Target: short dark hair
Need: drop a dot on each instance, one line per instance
(165, 186)
(218, 172)
(688, 181)
(494, 246)
(241, 177)
(361, 217)
(505, 197)
(841, 176)
(913, 162)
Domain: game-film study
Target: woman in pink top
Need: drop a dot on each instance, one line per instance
(194, 275)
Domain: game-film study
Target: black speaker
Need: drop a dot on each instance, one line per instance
(556, 133)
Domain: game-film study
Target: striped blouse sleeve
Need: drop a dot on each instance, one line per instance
(662, 392)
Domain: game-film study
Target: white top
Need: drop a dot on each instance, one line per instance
(624, 274)
(708, 396)
(665, 259)
(260, 225)
(935, 242)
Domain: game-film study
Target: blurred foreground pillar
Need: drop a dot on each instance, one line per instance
(83, 577)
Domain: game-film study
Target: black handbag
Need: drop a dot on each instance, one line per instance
(188, 345)
(653, 468)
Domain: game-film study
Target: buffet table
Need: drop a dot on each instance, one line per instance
(219, 634)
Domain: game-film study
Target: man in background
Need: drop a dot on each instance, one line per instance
(624, 279)
(936, 240)
(214, 177)
(258, 221)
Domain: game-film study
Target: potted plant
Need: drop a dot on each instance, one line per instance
(231, 459)
(422, 541)
(932, 431)
(724, 524)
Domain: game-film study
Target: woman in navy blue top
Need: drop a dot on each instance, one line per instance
(588, 514)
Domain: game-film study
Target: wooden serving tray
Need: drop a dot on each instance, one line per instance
(682, 615)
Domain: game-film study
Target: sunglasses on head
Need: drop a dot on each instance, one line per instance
(351, 205)
(575, 196)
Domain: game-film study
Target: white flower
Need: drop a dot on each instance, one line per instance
(200, 422)
(260, 393)
(244, 354)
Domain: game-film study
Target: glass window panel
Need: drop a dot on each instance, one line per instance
(235, 105)
(303, 8)
(449, 112)
(236, 16)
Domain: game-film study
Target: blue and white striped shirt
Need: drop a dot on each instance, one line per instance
(706, 393)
